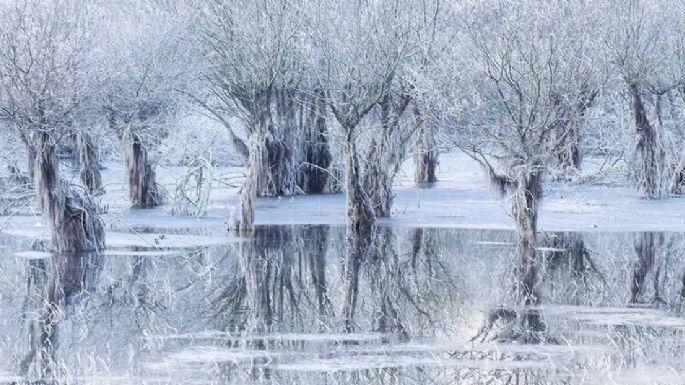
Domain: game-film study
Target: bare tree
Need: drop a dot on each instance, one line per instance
(642, 43)
(45, 60)
(529, 77)
(146, 62)
(418, 36)
(249, 46)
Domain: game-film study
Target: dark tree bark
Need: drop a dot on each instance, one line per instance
(678, 181)
(72, 149)
(425, 151)
(89, 165)
(31, 161)
(360, 225)
(649, 151)
(317, 239)
(314, 173)
(645, 247)
(567, 130)
(244, 219)
(569, 155)
(257, 168)
(385, 156)
(30, 154)
(682, 289)
(72, 217)
(526, 194)
(143, 190)
(277, 168)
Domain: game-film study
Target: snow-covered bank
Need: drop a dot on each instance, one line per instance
(461, 199)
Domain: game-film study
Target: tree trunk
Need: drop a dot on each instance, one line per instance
(143, 190)
(73, 150)
(72, 217)
(89, 165)
(526, 194)
(360, 224)
(385, 157)
(277, 168)
(378, 181)
(678, 181)
(649, 151)
(244, 219)
(425, 152)
(31, 161)
(569, 156)
(317, 158)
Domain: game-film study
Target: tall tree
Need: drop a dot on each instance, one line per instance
(358, 49)
(249, 46)
(419, 31)
(529, 71)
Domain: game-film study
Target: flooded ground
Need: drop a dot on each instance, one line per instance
(431, 306)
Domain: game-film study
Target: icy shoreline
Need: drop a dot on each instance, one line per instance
(461, 199)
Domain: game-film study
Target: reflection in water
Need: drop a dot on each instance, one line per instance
(287, 306)
(53, 285)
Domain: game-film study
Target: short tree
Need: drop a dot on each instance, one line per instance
(145, 64)
(45, 59)
(643, 40)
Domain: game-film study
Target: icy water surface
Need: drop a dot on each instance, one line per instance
(432, 306)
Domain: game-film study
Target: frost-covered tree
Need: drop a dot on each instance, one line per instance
(46, 68)
(527, 74)
(643, 40)
(146, 63)
(250, 48)
(418, 31)
(358, 49)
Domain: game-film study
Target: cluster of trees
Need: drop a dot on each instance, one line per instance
(75, 70)
(307, 88)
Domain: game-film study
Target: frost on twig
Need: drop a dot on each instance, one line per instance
(192, 191)
(16, 191)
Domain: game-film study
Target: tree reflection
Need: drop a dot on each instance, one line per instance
(561, 270)
(282, 283)
(53, 285)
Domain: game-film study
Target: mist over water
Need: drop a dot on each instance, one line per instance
(438, 306)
